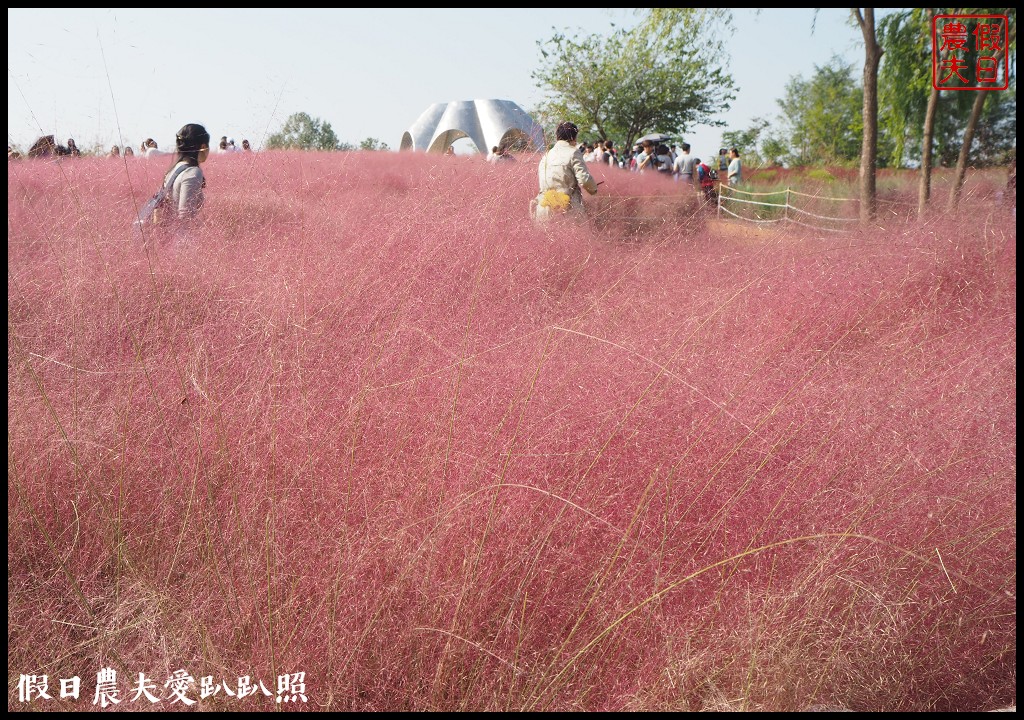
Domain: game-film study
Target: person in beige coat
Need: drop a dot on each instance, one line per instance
(563, 176)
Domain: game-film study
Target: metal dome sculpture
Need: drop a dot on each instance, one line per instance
(488, 123)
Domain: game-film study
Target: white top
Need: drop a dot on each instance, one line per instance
(187, 192)
(735, 171)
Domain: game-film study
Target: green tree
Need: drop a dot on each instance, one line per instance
(996, 130)
(904, 82)
(662, 76)
(302, 132)
(909, 102)
(822, 118)
(372, 143)
(980, 96)
(908, 99)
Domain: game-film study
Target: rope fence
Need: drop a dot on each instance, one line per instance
(787, 211)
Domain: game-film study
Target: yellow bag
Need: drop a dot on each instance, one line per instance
(555, 200)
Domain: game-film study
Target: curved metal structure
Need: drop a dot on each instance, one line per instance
(488, 123)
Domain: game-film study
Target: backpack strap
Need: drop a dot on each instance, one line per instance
(169, 181)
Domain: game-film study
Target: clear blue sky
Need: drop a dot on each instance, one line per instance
(106, 76)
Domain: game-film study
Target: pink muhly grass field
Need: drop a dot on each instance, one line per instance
(371, 424)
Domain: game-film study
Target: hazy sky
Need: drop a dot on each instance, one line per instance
(106, 76)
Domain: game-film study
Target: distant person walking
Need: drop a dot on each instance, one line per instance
(609, 150)
(647, 157)
(705, 181)
(151, 148)
(683, 165)
(663, 154)
(562, 175)
(735, 168)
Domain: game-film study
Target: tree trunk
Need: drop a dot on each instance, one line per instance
(924, 189)
(965, 149)
(869, 148)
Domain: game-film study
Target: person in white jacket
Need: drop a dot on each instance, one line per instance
(563, 175)
(150, 148)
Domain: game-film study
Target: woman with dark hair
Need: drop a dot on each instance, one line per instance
(735, 168)
(563, 175)
(185, 180)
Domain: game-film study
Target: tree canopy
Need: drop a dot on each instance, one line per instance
(665, 76)
(821, 119)
(302, 132)
(905, 82)
(372, 143)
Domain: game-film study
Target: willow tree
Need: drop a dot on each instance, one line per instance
(979, 102)
(651, 78)
(909, 99)
(909, 102)
(904, 81)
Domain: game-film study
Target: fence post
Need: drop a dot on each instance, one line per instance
(785, 210)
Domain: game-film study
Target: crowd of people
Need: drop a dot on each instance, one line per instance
(564, 175)
(673, 161)
(227, 145)
(48, 147)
